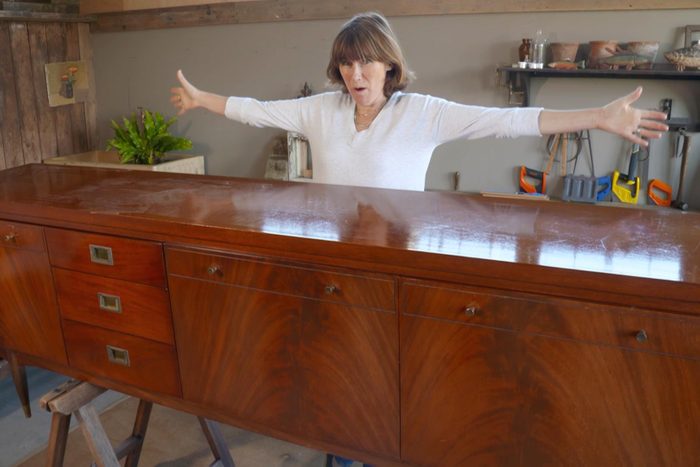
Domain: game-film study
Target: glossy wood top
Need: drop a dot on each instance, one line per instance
(640, 252)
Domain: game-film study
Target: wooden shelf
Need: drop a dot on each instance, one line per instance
(30, 16)
(518, 79)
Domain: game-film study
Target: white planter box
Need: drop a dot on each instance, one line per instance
(179, 163)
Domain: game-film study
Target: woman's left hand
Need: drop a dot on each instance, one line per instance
(636, 125)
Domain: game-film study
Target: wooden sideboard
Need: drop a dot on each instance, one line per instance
(394, 327)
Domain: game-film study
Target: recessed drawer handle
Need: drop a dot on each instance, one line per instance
(101, 255)
(331, 289)
(10, 238)
(118, 356)
(642, 336)
(470, 310)
(111, 303)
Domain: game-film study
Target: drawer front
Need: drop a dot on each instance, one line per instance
(365, 291)
(590, 322)
(116, 257)
(135, 361)
(132, 308)
(22, 236)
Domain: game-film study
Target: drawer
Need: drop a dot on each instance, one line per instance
(123, 306)
(135, 361)
(105, 255)
(22, 236)
(591, 322)
(371, 291)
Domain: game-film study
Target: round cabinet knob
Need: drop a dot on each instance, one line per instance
(330, 289)
(470, 310)
(642, 336)
(213, 270)
(10, 238)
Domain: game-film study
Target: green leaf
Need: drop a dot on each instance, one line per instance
(145, 139)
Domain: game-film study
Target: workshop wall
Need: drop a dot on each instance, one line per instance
(454, 57)
(31, 130)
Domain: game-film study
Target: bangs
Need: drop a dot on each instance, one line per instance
(355, 44)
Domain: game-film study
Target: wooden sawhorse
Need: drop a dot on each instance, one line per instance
(75, 397)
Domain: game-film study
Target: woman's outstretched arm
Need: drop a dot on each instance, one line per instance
(617, 117)
(187, 97)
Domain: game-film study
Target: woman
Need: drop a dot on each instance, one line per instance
(362, 134)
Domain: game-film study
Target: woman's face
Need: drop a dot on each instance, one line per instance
(365, 81)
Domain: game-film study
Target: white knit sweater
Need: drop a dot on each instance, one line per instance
(394, 152)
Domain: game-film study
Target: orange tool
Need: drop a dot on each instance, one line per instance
(655, 186)
(540, 178)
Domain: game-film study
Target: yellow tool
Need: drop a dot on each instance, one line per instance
(628, 190)
(626, 186)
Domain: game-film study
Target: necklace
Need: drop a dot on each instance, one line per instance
(365, 118)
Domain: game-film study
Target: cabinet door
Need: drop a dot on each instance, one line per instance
(29, 320)
(236, 350)
(309, 367)
(476, 394)
(348, 366)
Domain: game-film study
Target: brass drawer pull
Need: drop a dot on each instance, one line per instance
(331, 289)
(10, 238)
(642, 336)
(118, 356)
(111, 303)
(214, 270)
(470, 310)
(101, 255)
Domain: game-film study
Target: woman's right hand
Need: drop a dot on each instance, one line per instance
(186, 97)
(183, 98)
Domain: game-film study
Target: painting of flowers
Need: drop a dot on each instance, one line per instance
(66, 82)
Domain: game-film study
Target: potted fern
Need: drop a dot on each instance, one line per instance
(144, 138)
(141, 143)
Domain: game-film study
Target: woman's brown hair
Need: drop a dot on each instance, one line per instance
(368, 37)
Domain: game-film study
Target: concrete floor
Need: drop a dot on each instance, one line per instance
(21, 437)
(174, 439)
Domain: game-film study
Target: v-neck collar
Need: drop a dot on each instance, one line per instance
(351, 114)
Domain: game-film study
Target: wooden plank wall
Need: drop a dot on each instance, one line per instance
(30, 130)
(125, 15)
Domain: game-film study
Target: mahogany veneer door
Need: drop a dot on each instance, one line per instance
(236, 351)
(348, 363)
(311, 367)
(496, 394)
(29, 318)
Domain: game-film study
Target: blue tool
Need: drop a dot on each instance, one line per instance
(604, 186)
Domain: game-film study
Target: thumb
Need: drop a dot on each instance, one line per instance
(183, 81)
(634, 95)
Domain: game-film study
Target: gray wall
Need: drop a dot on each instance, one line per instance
(453, 56)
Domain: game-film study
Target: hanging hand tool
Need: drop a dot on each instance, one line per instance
(540, 178)
(626, 186)
(579, 188)
(564, 154)
(678, 203)
(603, 188)
(657, 187)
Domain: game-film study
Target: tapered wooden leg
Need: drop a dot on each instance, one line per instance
(216, 443)
(58, 438)
(143, 414)
(19, 377)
